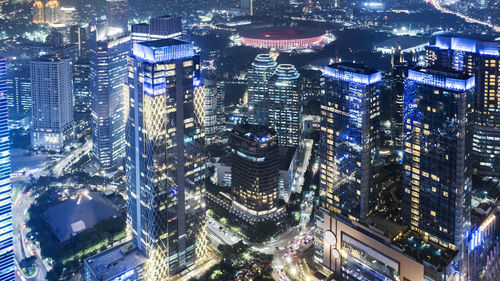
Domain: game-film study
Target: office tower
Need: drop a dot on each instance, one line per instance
(81, 85)
(350, 113)
(78, 36)
(7, 269)
(258, 88)
(437, 154)
(478, 58)
(38, 12)
(247, 6)
(55, 39)
(19, 93)
(254, 169)
(165, 159)
(52, 96)
(284, 105)
(117, 13)
(69, 16)
(213, 108)
(52, 12)
(108, 77)
(162, 27)
(398, 75)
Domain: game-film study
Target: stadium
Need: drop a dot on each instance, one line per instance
(282, 38)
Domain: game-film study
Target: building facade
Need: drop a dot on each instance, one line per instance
(81, 84)
(254, 169)
(108, 78)
(52, 12)
(350, 113)
(258, 89)
(481, 59)
(437, 155)
(285, 105)
(52, 97)
(7, 268)
(165, 159)
(162, 27)
(214, 111)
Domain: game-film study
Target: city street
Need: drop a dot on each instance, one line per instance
(23, 248)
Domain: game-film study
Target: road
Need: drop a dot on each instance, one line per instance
(22, 249)
(302, 167)
(70, 159)
(437, 5)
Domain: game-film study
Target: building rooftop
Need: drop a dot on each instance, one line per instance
(164, 43)
(353, 73)
(286, 155)
(253, 132)
(51, 58)
(81, 212)
(116, 261)
(442, 78)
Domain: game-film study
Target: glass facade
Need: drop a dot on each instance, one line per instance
(482, 60)
(254, 168)
(284, 105)
(81, 77)
(350, 113)
(7, 269)
(165, 159)
(437, 154)
(258, 89)
(108, 78)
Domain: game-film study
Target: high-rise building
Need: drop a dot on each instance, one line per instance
(162, 27)
(68, 16)
(78, 36)
(254, 169)
(52, 97)
(19, 97)
(51, 12)
(350, 113)
(165, 159)
(81, 85)
(437, 154)
(117, 13)
(398, 75)
(214, 111)
(108, 78)
(481, 59)
(258, 88)
(7, 268)
(285, 105)
(38, 12)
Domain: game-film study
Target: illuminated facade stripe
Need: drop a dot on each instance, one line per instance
(7, 269)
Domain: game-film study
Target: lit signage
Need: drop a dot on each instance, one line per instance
(331, 240)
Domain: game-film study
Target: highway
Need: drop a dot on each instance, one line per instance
(437, 5)
(71, 158)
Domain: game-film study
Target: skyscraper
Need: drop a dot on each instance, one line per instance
(109, 49)
(52, 12)
(7, 269)
(38, 12)
(258, 88)
(165, 159)
(213, 109)
(81, 84)
(437, 154)
(284, 105)
(162, 27)
(117, 13)
(398, 75)
(350, 113)
(481, 59)
(254, 169)
(52, 96)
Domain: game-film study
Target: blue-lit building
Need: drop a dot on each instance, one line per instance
(481, 59)
(109, 48)
(437, 155)
(7, 269)
(284, 106)
(165, 159)
(350, 113)
(258, 89)
(254, 169)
